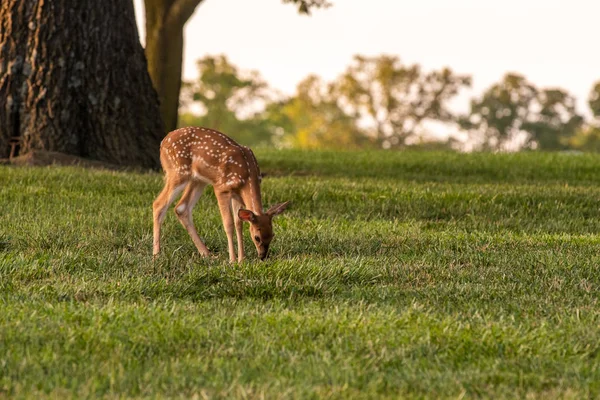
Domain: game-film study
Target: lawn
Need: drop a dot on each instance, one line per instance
(393, 274)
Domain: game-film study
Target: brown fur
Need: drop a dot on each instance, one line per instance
(195, 157)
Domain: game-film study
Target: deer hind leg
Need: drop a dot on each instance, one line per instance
(170, 191)
(236, 204)
(184, 208)
(224, 200)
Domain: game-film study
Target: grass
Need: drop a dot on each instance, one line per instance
(420, 275)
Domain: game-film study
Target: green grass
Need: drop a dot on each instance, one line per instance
(422, 275)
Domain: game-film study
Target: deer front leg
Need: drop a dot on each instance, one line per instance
(224, 200)
(236, 205)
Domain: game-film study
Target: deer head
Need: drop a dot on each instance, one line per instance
(261, 227)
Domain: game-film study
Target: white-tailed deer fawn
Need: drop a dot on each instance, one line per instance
(195, 157)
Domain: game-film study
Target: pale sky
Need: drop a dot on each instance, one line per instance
(551, 42)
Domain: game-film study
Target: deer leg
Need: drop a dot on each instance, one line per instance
(224, 200)
(236, 205)
(184, 212)
(159, 209)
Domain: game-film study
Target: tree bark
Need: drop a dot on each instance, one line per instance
(165, 20)
(74, 79)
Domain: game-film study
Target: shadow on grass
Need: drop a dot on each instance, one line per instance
(281, 277)
(448, 271)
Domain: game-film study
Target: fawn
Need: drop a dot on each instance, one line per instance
(193, 158)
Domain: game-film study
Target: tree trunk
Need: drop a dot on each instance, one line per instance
(74, 79)
(165, 20)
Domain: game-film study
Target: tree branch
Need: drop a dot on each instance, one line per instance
(180, 12)
(304, 6)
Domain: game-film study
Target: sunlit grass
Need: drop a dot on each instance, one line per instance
(393, 274)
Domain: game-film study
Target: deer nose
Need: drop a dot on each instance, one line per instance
(264, 253)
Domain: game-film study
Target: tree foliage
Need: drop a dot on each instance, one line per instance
(498, 116)
(553, 120)
(312, 119)
(594, 100)
(379, 102)
(397, 99)
(587, 137)
(241, 104)
(305, 6)
(514, 110)
(229, 100)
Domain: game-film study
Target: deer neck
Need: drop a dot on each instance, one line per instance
(250, 194)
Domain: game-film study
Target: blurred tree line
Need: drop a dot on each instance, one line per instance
(380, 102)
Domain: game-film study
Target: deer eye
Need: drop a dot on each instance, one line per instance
(257, 238)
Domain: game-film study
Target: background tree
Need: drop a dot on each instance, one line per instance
(397, 99)
(304, 6)
(594, 100)
(497, 117)
(553, 121)
(587, 137)
(312, 119)
(229, 100)
(165, 20)
(514, 112)
(74, 79)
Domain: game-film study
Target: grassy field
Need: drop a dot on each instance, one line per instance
(392, 275)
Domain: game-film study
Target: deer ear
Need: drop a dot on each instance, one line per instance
(278, 209)
(246, 215)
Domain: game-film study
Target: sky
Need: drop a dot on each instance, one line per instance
(551, 42)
